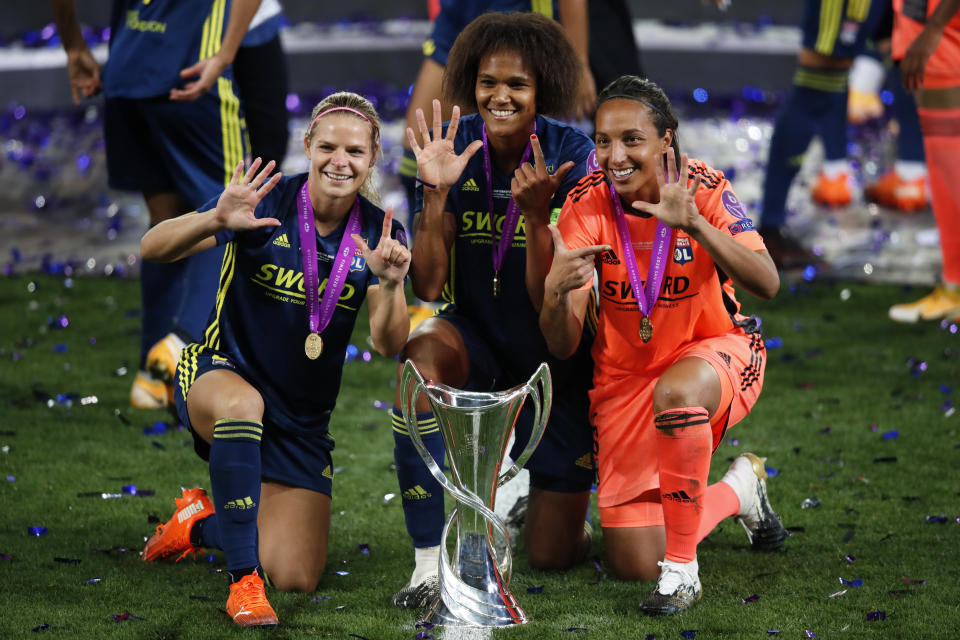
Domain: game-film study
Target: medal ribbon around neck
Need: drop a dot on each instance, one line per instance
(321, 311)
(513, 211)
(663, 236)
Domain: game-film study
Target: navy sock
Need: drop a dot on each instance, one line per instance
(235, 479)
(422, 495)
(817, 97)
(206, 533)
(161, 287)
(910, 138)
(199, 295)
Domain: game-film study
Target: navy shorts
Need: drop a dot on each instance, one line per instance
(292, 459)
(841, 28)
(155, 145)
(563, 461)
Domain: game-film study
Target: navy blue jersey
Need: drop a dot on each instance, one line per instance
(260, 320)
(152, 40)
(510, 322)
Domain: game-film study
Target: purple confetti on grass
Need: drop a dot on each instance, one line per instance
(424, 625)
(772, 632)
(423, 635)
(852, 583)
(689, 634)
(6, 557)
(891, 435)
(342, 573)
(94, 580)
(750, 599)
(37, 531)
(876, 615)
(321, 598)
(41, 627)
(574, 629)
(11, 478)
(380, 404)
(126, 615)
(60, 348)
(940, 519)
(130, 489)
(771, 471)
(364, 548)
(912, 581)
(849, 559)
(810, 634)
(535, 589)
(158, 428)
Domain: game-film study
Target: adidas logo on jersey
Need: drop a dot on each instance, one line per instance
(240, 503)
(327, 472)
(189, 510)
(609, 257)
(416, 492)
(585, 461)
(281, 241)
(470, 185)
(677, 496)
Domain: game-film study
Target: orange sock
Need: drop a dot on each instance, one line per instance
(684, 442)
(941, 142)
(719, 501)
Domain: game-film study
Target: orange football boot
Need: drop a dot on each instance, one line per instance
(248, 605)
(893, 191)
(148, 393)
(833, 192)
(162, 361)
(173, 538)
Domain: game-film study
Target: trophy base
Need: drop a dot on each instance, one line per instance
(478, 596)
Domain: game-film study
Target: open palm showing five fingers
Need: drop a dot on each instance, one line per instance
(237, 203)
(437, 161)
(677, 207)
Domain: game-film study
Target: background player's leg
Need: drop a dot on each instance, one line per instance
(161, 289)
(260, 73)
(437, 349)
(633, 552)
(425, 89)
(294, 525)
(553, 531)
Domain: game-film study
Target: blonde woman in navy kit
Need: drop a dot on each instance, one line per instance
(258, 392)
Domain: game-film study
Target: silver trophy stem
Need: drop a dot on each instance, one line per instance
(474, 585)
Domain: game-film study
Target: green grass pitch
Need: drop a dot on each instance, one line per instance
(855, 412)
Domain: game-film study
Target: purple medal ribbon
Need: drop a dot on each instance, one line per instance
(663, 236)
(321, 311)
(513, 211)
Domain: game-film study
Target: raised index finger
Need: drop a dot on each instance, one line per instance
(387, 223)
(538, 162)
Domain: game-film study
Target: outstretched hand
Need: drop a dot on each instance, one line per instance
(439, 165)
(206, 71)
(236, 206)
(532, 187)
(390, 261)
(677, 207)
(571, 268)
(84, 73)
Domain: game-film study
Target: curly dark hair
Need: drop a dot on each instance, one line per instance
(650, 94)
(540, 41)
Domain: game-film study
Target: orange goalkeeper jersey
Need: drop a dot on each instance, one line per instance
(696, 299)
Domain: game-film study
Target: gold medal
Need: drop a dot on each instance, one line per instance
(313, 346)
(496, 284)
(646, 329)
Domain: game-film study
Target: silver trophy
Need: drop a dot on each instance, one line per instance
(476, 427)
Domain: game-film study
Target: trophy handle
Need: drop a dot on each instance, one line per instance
(542, 402)
(411, 386)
